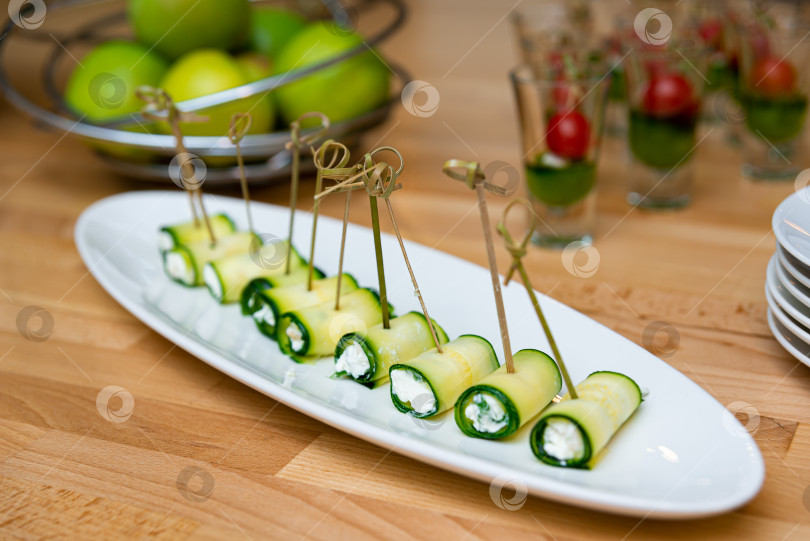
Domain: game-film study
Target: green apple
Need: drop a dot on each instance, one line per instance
(207, 71)
(271, 28)
(103, 85)
(255, 65)
(175, 27)
(341, 91)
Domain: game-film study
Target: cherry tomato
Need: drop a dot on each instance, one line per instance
(668, 94)
(711, 31)
(560, 94)
(568, 135)
(759, 43)
(773, 77)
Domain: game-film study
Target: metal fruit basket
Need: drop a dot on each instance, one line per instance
(38, 50)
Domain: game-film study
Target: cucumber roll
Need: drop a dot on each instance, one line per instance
(501, 403)
(227, 277)
(172, 236)
(312, 332)
(432, 382)
(367, 356)
(249, 299)
(271, 303)
(571, 433)
(184, 263)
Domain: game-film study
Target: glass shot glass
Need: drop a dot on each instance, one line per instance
(773, 91)
(664, 102)
(561, 118)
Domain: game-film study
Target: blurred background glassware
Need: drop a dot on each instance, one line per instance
(711, 21)
(613, 47)
(773, 90)
(542, 26)
(664, 84)
(561, 118)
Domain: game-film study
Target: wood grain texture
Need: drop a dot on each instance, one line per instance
(204, 457)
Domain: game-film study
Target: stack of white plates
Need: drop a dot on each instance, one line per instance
(787, 286)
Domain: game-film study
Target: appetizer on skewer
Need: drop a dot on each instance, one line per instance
(501, 403)
(366, 356)
(227, 277)
(250, 298)
(308, 333)
(272, 303)
(432, 382)
(184, 264)
(172, 236)
(572, 433)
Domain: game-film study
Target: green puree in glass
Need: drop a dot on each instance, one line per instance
(560, 186)
(662, 142)
(775, 119)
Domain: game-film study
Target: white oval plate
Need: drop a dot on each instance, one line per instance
(791, 225)
(682, 455)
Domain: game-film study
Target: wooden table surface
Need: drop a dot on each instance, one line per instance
(65, 471)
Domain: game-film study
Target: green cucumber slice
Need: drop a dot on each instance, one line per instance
(184, 264)
(501, 403)
(463, 362)
(172, 236)
(366, 357)
(227, 277)
(314, 331)
(572, 433)
(249, 299)
(272, 303)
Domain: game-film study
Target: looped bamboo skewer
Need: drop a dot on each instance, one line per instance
(238, 127)
(377, 187)
(347, 184)
(323, 160)
(517, 251)
(296, 143)
(471, 174)
(379, 180)
(158, 106)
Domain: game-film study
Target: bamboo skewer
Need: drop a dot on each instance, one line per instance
(296, 143)
(338, 160)
(472, 175)
(413, 277)
(239, 126)
(376, 186)
(159, 106)
(517, 251)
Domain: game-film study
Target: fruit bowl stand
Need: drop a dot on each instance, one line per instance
(35, 61)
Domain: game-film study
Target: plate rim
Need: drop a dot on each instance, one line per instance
(465, 465)
(788, 266)
(772, 282)
(777, 223)
(777, 333)
(779, 314)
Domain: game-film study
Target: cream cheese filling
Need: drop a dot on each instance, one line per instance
(295, 336)
(410, 388)
(165, 241)
(211, 280)
(265, 314)
(353, 361)
(178, 268)
(486, 413)
(563, 440)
